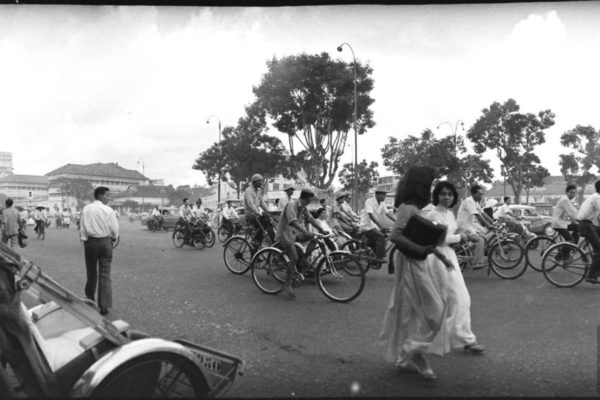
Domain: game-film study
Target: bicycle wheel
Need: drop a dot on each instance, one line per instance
(198, 240)
(365, 254)
(223, 234)
(269, 270)
(340, 276)
(534, 250)
(178, 238)
(154, 375)
(210, 238)
(565, 265)
(237, 255)
(505, 259)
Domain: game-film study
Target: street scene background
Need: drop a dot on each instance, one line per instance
(540, 340)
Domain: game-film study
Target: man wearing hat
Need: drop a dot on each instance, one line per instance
(289, 191)
(256, 209)
(372, 222)
(291, 229)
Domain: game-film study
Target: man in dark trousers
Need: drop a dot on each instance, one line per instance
(99, 227)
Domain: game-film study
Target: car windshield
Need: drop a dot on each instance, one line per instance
(529, 213)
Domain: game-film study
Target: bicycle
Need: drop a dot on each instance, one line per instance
(566, 264)
(223, 233)
(360, 247)
(239, 249)
(536, 247)
(338, 274)
(196, 236)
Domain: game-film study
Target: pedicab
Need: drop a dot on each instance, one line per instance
(64, 347)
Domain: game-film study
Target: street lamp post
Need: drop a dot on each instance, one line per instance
(355, 195)
(455, 131)
(219, 183)
(141, 160)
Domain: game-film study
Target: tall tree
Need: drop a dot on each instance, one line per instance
(310, 98)
(79, 189)
(446, 156)
(513, 136)
(367, 178)
(176, 195)
(245, 151)
(578, 166)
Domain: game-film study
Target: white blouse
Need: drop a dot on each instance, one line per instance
(445, 216)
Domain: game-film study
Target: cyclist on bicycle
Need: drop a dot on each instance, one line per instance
(587, 217)
(185, 217)
(39, 216)
(291, 229)
(372, 223)
(256, 209)
(471, 220)
(341, 218)
(564, 217)
(155, 214)
(230, 218)
(505, 215)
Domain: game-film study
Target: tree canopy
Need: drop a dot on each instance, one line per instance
(577, 166)
(446, 156)
(513, 136)
(80, 189)
(245, 151)
(310, 98)
(367, 178)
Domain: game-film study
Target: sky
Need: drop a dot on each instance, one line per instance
(135, 84)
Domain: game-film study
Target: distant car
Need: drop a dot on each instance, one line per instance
(534, 221)
(170, 217)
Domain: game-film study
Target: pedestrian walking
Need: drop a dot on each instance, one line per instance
(417, 306)
(99, 227)
(10, 223)
(456, 330)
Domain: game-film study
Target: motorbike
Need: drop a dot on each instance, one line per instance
(62, 347)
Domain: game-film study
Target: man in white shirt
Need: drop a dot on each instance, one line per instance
(99, 227)
(230, 218)
(588, 213)
(504, 214)
(564, 216)
(185, 216)
(372, 222)
(470, 220)
(199, 212)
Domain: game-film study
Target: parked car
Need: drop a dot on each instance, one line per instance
(534, 221)
(170, 216)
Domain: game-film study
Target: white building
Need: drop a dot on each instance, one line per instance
(6, 167)
(25, 190)
(111, 175)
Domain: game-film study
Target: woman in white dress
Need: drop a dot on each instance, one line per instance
(456, 331)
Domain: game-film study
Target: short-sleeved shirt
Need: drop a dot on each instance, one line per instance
(293, 211)
(185, 211)
(230, 213)
(502, 211)
(466, 215)
(590, 208)
(563, 210)
(379, 210)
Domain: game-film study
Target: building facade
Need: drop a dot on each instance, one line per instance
(111, 175)
(146, 197)
(25, 190)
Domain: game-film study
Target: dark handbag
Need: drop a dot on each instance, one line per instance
(423, 232)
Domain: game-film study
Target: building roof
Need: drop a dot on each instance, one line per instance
(98, 169)
(143, 191)
(29, 179)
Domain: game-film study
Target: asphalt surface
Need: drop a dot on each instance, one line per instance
(540, 340)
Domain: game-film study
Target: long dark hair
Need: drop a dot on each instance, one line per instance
(415, 186)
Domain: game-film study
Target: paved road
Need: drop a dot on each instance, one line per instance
(541, 340)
